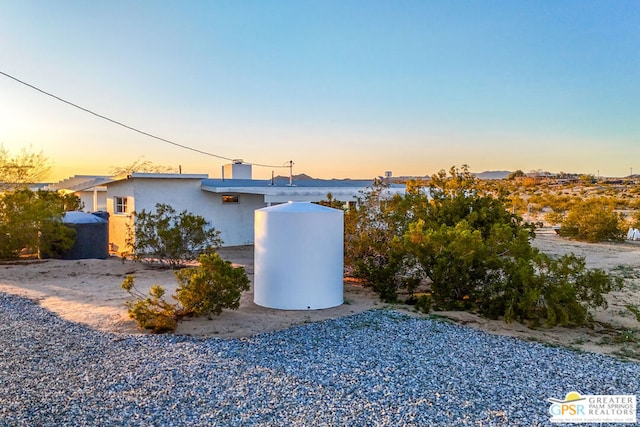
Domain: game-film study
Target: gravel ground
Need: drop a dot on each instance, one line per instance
(372, 369)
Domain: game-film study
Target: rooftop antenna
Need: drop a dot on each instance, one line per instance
(290, 173)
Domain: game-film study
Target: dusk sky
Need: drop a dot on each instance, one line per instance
(342, 88)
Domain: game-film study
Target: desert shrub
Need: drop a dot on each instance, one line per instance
(373, 228)
(634, 203)
(517, 204)
(32, 222)
(592, 220)
(451, 257)
(545, 290)
(558, 203)
(208, 289)
(423, 302)
(213, 286)
(170, 238)
(554, 217)
(150, 311)
(472, 251)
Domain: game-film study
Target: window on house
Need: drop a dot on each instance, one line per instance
(229, 198)
(120, 205)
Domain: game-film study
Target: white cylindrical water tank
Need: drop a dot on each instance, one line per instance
(299, 256)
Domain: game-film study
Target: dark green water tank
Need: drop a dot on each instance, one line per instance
(92, 235)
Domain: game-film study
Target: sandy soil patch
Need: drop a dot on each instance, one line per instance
(89, 292)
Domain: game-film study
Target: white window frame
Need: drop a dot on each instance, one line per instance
(120, 205)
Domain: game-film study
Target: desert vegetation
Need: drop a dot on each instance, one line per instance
(31, 221)
(453, 242)
(205, 290)
(581, 207)
(170, 239)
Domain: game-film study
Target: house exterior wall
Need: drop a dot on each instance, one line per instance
(86, 197)
(93, 201)
(233, 220)
(118, 222)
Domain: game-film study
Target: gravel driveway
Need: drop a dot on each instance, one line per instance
(371, 369)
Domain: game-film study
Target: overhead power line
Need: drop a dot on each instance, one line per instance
(86, 110)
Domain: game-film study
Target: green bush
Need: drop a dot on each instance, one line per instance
(451, 257)
(373, 250)
(169, 238)
(423, 303)
(152, 311)
(543, 290)
(212, 287)
(592, 220)
(208, 289)
(459, 237)
(31, 222)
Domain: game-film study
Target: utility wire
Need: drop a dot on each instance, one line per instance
(134, 129)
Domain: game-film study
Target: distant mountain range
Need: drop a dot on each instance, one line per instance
(298, 177)
(479, 175)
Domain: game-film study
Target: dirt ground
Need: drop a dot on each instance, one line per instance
(89, 292)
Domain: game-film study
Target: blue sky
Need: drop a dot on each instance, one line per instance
(342, 88)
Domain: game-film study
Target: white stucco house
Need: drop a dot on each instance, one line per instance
(227, 203)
